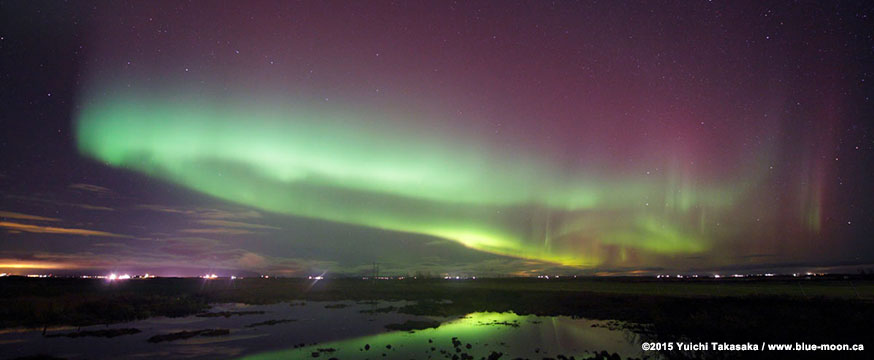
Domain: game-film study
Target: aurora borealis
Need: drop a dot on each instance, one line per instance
(600, 138)
(363, 176)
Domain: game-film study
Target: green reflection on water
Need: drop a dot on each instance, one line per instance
(511, 334)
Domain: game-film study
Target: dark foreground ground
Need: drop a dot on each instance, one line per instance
(835, 310)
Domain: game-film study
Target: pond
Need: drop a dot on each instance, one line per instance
(343, 330)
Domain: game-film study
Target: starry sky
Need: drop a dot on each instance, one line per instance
(479, 138)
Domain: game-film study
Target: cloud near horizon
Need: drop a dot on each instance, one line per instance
(56, 230)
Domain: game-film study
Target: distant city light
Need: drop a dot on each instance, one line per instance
(113, 277)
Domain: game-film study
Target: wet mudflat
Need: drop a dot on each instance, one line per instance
(343, 330)
(480, 335)
(309, 314)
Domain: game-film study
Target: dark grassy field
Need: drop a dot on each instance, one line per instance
(827, 310)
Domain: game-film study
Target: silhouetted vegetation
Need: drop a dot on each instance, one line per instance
(411, 325)
(188, 334)
(386, 309)
(270, 322)
(39, 357)
(107, 333)
(227, 314)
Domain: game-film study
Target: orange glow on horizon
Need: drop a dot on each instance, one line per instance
(13, 264)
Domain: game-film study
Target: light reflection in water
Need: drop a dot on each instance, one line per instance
(508, 333)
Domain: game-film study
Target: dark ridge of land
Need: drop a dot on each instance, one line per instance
(39, 357)
(188, 334)
(270, 322)
(832, 310)
(513, 323)
(228, 314)
(386, 309)
(411, 325)
(107, 333)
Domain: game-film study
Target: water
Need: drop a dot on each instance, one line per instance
(341, 330)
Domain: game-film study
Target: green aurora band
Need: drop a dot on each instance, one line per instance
(376, 170)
